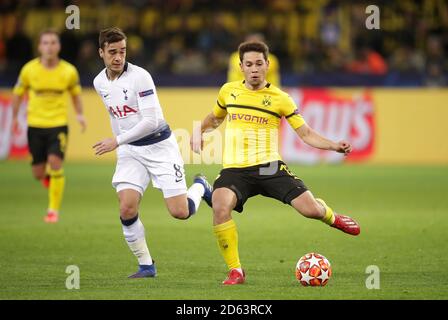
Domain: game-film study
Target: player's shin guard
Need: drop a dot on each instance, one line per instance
(134, 234)
(56, 189)
(329, 214)
(227, 237)
(194, 196)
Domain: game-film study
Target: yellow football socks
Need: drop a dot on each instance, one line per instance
(56, 189)
(329, 214)
(227, 237)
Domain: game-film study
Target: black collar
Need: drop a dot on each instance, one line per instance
(266, 86)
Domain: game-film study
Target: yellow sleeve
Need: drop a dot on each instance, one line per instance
(290, 111)
(22, 83)
(234, 72)
(74, 87)
(219, 109)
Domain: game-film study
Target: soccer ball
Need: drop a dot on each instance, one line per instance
(313, 269)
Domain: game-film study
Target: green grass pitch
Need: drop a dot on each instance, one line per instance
(403, 213)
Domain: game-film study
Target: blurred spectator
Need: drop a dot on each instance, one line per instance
(307, 37)
(70, 45)
(88, 61)
(218, 61)
(367, 61)
(434, 76)
(136, 49)
(330, 30)
(436, 64)
(334, 60)
(434, 53)
(310, 58)
(190, 62)
(162, 59)
(19, 49)
(405, 59)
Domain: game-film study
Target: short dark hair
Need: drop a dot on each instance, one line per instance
(256, 46)
(110, 35)
(48, 31)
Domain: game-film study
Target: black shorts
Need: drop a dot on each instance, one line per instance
(272, 180)
(45, 141)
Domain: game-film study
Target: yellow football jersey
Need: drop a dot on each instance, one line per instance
(234, 72)
(48, 92)
(253, 120)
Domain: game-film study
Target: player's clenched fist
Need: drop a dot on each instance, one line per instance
(344, 147)
(105, 146)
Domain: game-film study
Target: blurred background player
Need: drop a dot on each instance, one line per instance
(234, 72)
(254, 108)
(147, 150)
(48, 80)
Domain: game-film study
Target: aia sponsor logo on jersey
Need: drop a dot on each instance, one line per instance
(121, 112)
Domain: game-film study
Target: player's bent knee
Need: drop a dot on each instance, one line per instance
(39, 171)
(177, 205)
(179, 213)
(55, 162)
(224, 200)
(128, 211)
(221, 211)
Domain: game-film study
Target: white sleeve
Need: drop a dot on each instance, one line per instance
(147, 104)
(115, 126)
(143, 128)
(146, 92)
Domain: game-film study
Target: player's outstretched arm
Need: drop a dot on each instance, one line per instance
(312, 138)
(16, 101)
(77, 104)
(210, 123)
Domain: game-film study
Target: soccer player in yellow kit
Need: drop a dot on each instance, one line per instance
(49, 80)
(252, 164)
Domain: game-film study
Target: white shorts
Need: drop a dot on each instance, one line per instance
(160, 162)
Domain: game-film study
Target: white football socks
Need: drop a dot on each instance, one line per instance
(135, 237)
(195, 193)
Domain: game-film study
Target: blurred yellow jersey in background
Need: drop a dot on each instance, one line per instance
(234, 72)
(48, 92)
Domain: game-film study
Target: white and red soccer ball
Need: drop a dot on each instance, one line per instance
(313, 269)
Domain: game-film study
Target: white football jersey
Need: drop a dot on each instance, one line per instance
(126, 97)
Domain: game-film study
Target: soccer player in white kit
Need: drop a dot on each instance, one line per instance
(146, 148)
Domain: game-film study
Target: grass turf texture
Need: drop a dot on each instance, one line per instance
(402, 212)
